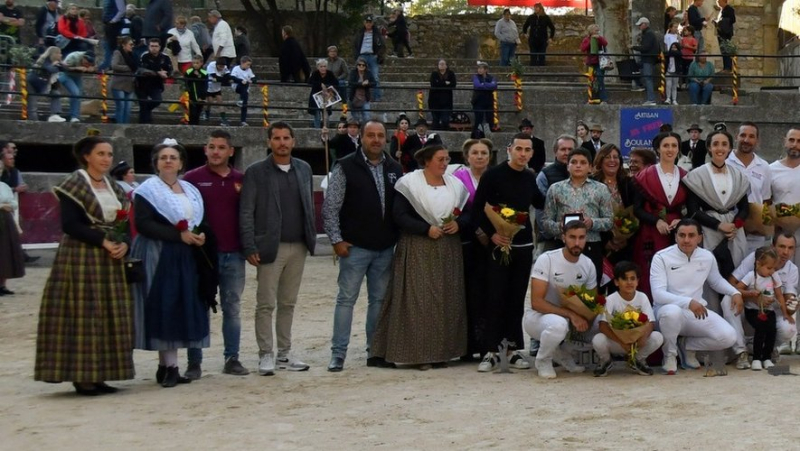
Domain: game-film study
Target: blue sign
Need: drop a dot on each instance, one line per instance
(638, 126)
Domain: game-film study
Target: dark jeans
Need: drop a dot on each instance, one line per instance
(594, 250)
(441, 120)
(765, 333)
(506, 286)
(538, 50)
(244, 96)
(149, 100)
(482, 116)
(195, 108)
(400, 42)
(727, 61)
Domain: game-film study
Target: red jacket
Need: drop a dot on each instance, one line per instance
(586, 47)
(65, 30)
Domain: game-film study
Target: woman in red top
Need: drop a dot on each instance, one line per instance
(592, 44)
(72, 34)
(398, 138)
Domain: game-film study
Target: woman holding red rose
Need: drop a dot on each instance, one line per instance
(423, 320)
(170, 310)
(86, 321)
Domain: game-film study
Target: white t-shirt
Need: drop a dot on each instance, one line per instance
(789, 274)
(559, 273)
(215, 86)
(615, 303)
(243, 74)
(765, 285)
(760, 177)
(785, 189)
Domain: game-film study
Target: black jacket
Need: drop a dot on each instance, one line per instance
(649, 47)
(196, 83)
(726, 21)
(378, 46)
(413, 144)
(292, 62)
(361, 220)
(539, 158)
(589, 145)
(539, 26)
(157, 18)
(441, 93)
(316, 81)
(699, 153)
(147, 78)
(342, 146)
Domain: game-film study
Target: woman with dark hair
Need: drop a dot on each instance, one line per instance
(639, 159)
(398, 139)
(658, 202)
(718, 201)
(360, 83)
(440, 97)
(124, 65)
(86, 320)
(171, 312)
(423, 320)
(609, 171)
(478, 157)
(582, 132)
(11, 253)
(125, 176)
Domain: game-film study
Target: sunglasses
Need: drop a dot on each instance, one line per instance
(361, 65)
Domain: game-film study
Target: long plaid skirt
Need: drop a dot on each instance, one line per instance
(86, 318)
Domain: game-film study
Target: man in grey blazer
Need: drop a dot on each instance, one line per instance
(277, 227)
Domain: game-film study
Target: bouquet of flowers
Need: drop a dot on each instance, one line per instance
(628, 325)
(787, 217)
(625, 225)
(583, 301)
(760, 220)
(120, 227)
(507, 222)
(452, 217)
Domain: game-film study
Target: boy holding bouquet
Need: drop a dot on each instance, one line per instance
(627, 301)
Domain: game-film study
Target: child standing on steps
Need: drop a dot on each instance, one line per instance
(243, 77)
(196, 85)
(760, 288)
(218, 75)
(674, 62)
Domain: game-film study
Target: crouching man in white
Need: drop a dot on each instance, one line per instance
(677, 274)
(626, 278)
(547, 321)
(784, 245)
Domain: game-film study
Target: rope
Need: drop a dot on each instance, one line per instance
(735, 80)
(420, 105)
(23, 90)
(265, 104)
(496, 117)
(104, 94)
(662, 87)
(518, 93)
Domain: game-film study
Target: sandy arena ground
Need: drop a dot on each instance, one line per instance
(360, 408)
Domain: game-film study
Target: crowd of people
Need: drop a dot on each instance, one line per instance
(448, 253)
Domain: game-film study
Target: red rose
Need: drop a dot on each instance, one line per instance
(601, 300)
(122, 215)
(618, 222)
(521, 218)
(643, 318)
(496, 208)
(182, 225)
(762, 316)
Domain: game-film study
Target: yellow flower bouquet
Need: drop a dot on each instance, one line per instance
(787, 217)
(629, 326)
(583, 301)
(761, 219)
(625, 225)
(507, 222)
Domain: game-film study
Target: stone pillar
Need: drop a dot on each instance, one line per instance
(770, 23)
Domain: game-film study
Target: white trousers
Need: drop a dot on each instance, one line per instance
(710, 334)
(550, 330)
(605, 346)
(786, 330)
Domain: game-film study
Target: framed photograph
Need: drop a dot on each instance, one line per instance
(572, 217)
(327, 97)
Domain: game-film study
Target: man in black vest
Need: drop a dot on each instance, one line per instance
(539, 158)
(357, 215)
(695, 146)
(593, 145)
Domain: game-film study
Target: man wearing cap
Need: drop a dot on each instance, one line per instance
(538, 159)
(221, 38)
(342, 145)
(758, 173)
(695, 146)
(71, 78)
(368, 44)
(505, 30)
(338, 67)
(649, 49)
(415, 142)
(594, 144)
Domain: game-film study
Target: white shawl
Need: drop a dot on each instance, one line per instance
(167, 203)
(413, 187)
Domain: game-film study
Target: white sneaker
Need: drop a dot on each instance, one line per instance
(518, 361)
(266, 365)
(488, 364)
(768, 364)
(688, 358)
(756, 366)
(74, 120)
(56, 118)
(649, 103)
(291, 364)
(545, 368)
(670, 365)
(785, 348)
(743, 362)
(674, 102)
(565, 360)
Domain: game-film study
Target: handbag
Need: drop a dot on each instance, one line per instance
(685, 161)
(606, 63)
(134, 270)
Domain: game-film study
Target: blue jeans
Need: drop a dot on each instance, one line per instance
(600, 83)
(372, 65)
(74, 86)
(122, 106)
(231, 286)
(647, 80)
(377, 267)
(700, 95)
(507, 50)
(701, 42)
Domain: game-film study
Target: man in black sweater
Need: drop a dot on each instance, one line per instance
(540, 24)
(539, 158)
(154, 68)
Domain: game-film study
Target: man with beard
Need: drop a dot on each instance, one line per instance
(11, 20)
(785, 173)
(757, 171)
(546, 320)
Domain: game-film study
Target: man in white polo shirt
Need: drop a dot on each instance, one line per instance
(785, 173)
(547, 321)
(677, 274)
(757, 171)
(785, 245)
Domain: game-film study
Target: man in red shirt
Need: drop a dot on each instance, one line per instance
(220, 185)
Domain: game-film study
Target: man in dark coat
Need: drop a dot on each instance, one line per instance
(538, 38)
(292, 61)
(538, 159)
(344, 144)
(724, 22)
(695, 146)
(421, 139)
(158, 20)
(593, 145)
(369, 45)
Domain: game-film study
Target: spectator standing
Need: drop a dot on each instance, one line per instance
(220, 184)
(369, 45)
(42, 80)
(136, 27)
(71, 78)
(243, 76)
(241, 43)
(12, 20)
(158, 20)
(154, 68)
(399, 138)
(221, 38)
(649, 50)
(124, 66)
(320, 79)
(202, 36)
(701, 72)
(440, 98)
(697, 21)
(671, 36)
(277, 207)
(113, 18)
(505, 30)
(540, 27)
(592, 45)
(187, 43)
(218, 75)
(292, 62)
(358, 220)
(688, 49)
(361, 85)
(674, 65)
(483, 85)
(724, 22)
(400, 35)
(46, 23)
(338, 66)
(197, 86)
